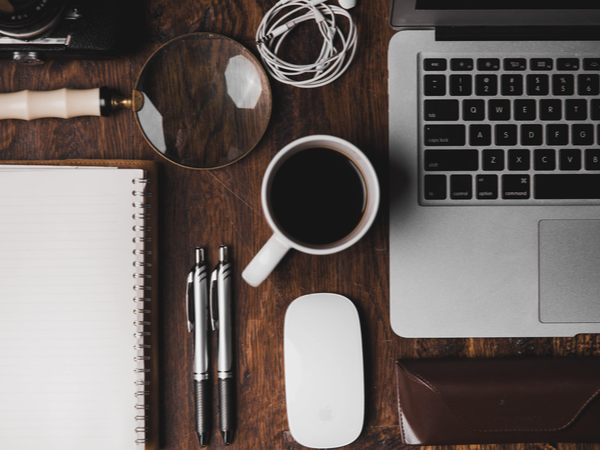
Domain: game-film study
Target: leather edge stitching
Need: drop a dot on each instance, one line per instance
(401, 413)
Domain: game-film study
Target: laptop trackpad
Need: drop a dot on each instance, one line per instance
(569, 270)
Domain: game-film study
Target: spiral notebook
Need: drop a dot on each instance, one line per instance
(77, 284)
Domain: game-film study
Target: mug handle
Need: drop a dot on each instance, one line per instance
(265, 261)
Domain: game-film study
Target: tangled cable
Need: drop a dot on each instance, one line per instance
(330, 64)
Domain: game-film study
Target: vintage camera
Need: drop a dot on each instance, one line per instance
(32, 31)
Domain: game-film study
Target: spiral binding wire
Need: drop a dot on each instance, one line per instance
(141, 311)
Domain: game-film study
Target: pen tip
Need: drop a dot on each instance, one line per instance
(227, 437)
(203, 438)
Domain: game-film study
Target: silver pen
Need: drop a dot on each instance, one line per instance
(220, 292)
(197, 316)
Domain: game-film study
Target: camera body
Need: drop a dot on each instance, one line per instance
(39, 30)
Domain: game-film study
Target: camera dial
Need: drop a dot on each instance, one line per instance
(27, 19)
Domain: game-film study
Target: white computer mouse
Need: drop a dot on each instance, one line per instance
(324, 375)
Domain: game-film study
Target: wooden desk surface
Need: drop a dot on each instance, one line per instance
(210, 208)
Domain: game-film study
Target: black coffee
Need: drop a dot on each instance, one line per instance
(318, 196)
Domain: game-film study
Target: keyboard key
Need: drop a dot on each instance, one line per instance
(506, 135)
(475, 109)
(537, 84)
(480, 135)
(563, 84)
(515, 187)
(582, 134)
(525, 110)
(461, 85)
(435, 85)
(592, 159)
(434, 64)
(435, 187)
(486, 85)
(565, 187)
(451, 160)
(499, 110)
(540, 64)
(446, 110)
(444, 135)
(518, 160)
(550, 110)
(570, 159)
(486, 187)
(461, 64)
(557, 134)
(512, 84)
(576, 109)
(595, 109)
(492, 160)
(532, 135)
(461, 187)
(591, 63)
(488, 64)
(567, 64)
(515, 64)
(588, 84)
(544, 159)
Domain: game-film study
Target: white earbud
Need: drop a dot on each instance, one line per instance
(334, 58)
(347, 4)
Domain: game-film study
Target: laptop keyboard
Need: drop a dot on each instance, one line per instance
(505, 130)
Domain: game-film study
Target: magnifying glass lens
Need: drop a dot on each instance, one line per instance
(206, 101)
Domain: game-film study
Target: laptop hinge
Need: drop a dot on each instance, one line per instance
(518, 33)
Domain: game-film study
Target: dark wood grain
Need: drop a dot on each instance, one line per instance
(210, 208)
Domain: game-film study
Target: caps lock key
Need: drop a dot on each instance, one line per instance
(444, 135)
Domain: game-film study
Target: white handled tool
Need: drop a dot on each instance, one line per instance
(62, 103)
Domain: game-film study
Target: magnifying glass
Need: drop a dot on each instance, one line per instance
(202, 101)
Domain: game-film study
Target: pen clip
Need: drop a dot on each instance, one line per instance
(189, 301)
(214, 288)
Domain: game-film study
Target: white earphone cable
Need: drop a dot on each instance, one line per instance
(330, 64)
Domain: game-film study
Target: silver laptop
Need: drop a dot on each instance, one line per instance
(494, 168)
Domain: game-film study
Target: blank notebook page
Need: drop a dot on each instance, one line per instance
(66, 311)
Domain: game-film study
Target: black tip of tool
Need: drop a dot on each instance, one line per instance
(227, 437)
(203, 438)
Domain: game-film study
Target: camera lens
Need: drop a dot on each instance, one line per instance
(26, 19)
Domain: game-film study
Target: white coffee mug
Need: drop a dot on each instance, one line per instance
(277, 246)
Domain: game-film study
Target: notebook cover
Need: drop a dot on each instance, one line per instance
(151, 169)
(494, 401)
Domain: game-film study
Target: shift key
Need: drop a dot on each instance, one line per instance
(444, 135)
(451, 160)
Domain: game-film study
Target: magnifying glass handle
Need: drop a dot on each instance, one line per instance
(62, 103)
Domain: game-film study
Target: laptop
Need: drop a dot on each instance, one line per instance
(494, 153)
